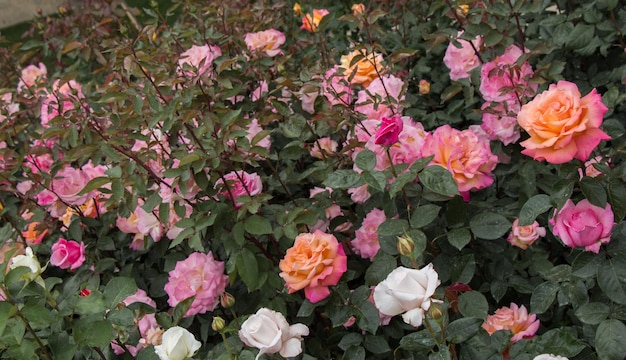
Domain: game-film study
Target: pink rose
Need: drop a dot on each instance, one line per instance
(382, 96)
(366, 242)
(583, 224)
(326, 145)
(310, 22)
(146, 323)
(590, 170)
(469, 160)
(7, 107)
(268, 41)
(524, 236)
(562, 125)
(462, 60)
(314, 262)
(198, 275)
(68, 183)
(240, 183)
(499, 124)
(335, 87)
(63, 99)
(67, 254)
(200, 58)
(30, 77)
(503, 80)
(389, 130)
(514, 318)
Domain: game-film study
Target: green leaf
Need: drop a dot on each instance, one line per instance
(365, 160)
(459, 238)
(94, 184)
(616, 193)
(473, 304)
(6, 311)
(354, 353)
(393, 227)
(593, 313)
(462, 329)
(92, 304)
(562, 341)
(586, 265)
(382, 265)
(376, 344)
(439, 180)
(248, 269)
(257, 225)
(306, 309)
(400, 182)
(368, 317)
(424, 215)
(118, 289)
(609, 275)
(442, 354)
(593, 191)
(62, 346)
(610, 343)
(543, 296)
(343, 179)
(417, 341)
(91, 332)
(580, 36)
(375, 180)
(532, 208)
(489, 225)
(350, 339)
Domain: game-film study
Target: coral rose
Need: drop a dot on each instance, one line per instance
(311, 22)
(35, 233)
(201, 276)
(314, 262)
(364, 70)
(562, 125)
(268, 41)
(583, 224)
(514, 318)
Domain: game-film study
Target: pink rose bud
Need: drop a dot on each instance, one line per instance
(524, 236)
(389, 131)
(584, 224)
(68, 254)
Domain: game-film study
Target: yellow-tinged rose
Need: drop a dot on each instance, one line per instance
(365, 70)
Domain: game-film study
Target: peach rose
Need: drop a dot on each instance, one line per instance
(314, 262)
(35, 233)
(514, 318)
(524, 236)
(311, 22)
(562, 125)
(268, 41)
(365, 70)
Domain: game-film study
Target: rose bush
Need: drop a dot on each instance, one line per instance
(185, 179)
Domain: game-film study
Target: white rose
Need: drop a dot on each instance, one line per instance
(177, 344)
(28, 260)
(408, 292)
(269, 331)
(549, 357)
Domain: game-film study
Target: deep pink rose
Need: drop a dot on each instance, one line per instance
(198, 275)
(516, 319)
(389, 130)
(240, 183)
(583, 224)
(68, 183)
(68, 254)
(562, 125)
(462, 60)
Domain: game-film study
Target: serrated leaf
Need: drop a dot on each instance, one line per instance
(459, 238)
(118, 289)
(365, 160)
(257, 225)
(462, 329)
(543, 296)
(489, 225)
(417, 341)
(439, 180)
(593, 191)
(93, 332)
(94, 184)
(473, 304)
(532, 208)
(593, 313)
(248, 269)
(424, 215)
(342, 179)
(609, 275)
(610, 343)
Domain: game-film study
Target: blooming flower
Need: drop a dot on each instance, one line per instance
(269, 331)
(462, 60)
(389, 131)
(408, 292)
(500, 124)
(200, 58)
(583, 224)
(68, 183)
(358, 9)
(311, 22)
(177, 344)
(240, 183)
(268, 41)
(68, 254)
(503, 80)
(561, 124)
(514, 318)
(366, 242)
(198, 275)
(61, 100)
(364, 70)
(145, 323)
(29, 260)
(30, 77)
(314, 262)
(325, 144)
(524, 236)
(382, 96)
(34, 233)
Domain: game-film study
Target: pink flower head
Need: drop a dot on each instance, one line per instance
(63, 99)
(325, 144)
(382, 96)
(469, 160)
(311, 22)
(590, 170)
(366, 242)
(583, 224)
(201, 276)
(503, 80)
(500, 124)
(462, 60)
(145, 323)
(514, 318)
(335, 87)
(314, 262)
(68, 183)
(562, 125)
(68, 254)
(524, 236)
(200, 58)
(7, 107)
(240, 183)
(30, 77)
(389, 130)
(268, 41)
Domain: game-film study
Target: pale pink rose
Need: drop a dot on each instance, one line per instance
(366, 242)
(549, 357)
(200, 58)
(381, 98)
(24, 186)
(330, 212)
(67, 254)
(408, 292)
(259, 91)
(7, 107)
(198, 275)
(308, 94)
(145, 323)
(310, 22)
(389, 131)
(503, 80)
(363, 71)
(269, 331)
(239, 183)
(590, 170)
(31, 77)
(524, 236)
(268, 41)
(514, 318)
(62, 101)
(335, 88)
(148, 224)
(314, 262)
(499, 124)
(68, 183)
(469, 160)
(359, 194)
(583, 224)
(255, 128)
(323, 147)
(562, 125)
(462, 60)
(128, 225)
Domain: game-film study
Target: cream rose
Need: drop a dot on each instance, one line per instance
(177, 343)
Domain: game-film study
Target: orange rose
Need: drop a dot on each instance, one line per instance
(311, 22)
(315, 262)
(365, 70)
(562, 125)
(34, 234)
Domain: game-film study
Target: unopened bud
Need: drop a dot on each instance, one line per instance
(227, 300)
(462, 10)
(358, 9)
(435, 312)
(84, 292)
(62, 10)
(424, 87)
(218, 323)
(297, 9)
(405, 245)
